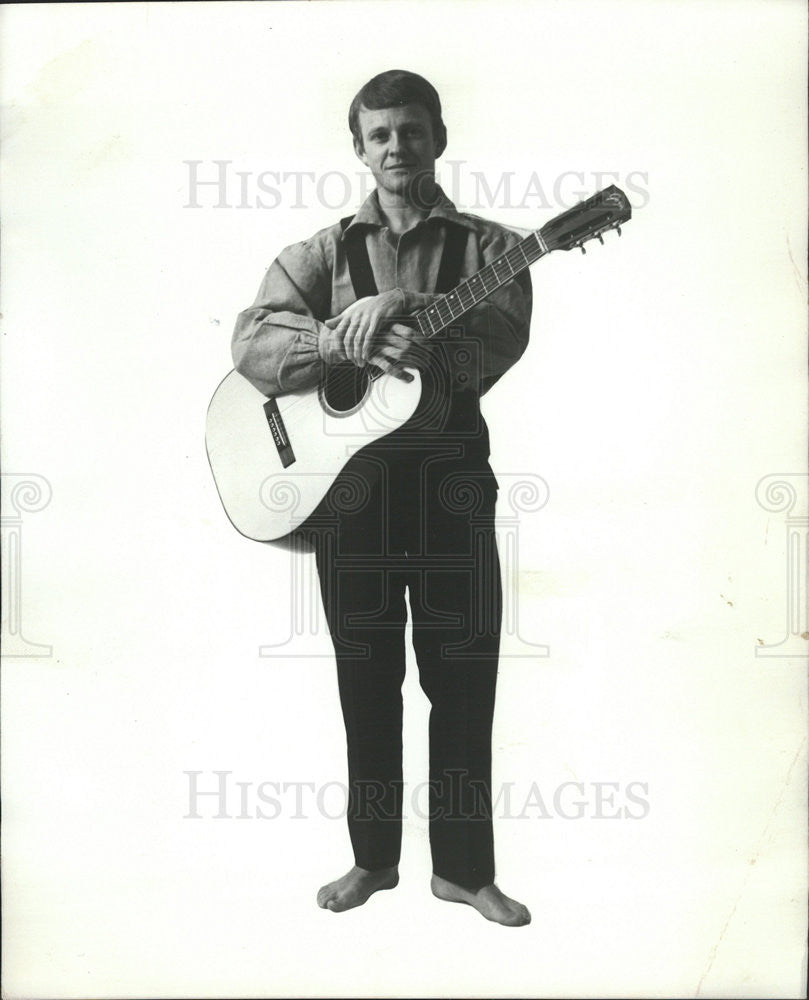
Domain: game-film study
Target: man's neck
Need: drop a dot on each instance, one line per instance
(402, 211)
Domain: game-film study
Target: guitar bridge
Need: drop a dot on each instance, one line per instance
(279, 432)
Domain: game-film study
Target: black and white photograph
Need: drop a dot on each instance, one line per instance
(405, 505)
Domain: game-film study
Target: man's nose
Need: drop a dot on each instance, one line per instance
(394, 141)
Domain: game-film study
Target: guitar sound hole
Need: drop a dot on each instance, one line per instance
(344, 387)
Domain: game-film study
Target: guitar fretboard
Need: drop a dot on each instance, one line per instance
(450, 307)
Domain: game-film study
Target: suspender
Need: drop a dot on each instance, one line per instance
(362, 276)
(359, 265)
(449, 271)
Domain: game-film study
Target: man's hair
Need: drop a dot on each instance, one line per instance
(395, 88)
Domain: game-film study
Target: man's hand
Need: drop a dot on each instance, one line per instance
(359, 324)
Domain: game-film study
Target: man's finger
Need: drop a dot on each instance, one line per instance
(348, 335)
(390, 368)
(416, 347)
(354, 343)
(342, 320)
(397, 339)
(404, 330)
(340, 324)
(369, 338)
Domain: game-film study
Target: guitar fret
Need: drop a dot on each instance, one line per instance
(513, 253)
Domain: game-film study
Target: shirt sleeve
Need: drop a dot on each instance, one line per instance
(280, 342)
(501, 324)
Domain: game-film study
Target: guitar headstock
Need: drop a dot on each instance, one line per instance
(608, 209)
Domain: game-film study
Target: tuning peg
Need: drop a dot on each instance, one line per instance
(600, 239)
(582, 248)
(618, 230)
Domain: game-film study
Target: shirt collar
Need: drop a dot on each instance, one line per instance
(370, 213)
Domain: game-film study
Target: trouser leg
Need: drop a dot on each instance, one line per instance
(366, 613)
(458, 671)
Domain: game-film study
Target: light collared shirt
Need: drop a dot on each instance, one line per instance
(281, 342)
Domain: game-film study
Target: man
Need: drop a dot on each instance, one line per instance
(422, 519)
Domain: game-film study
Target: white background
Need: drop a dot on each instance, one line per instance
(664, 379)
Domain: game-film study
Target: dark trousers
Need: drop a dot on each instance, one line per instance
(415, 522)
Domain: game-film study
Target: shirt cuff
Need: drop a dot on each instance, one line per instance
(300, 365)
(330, 346)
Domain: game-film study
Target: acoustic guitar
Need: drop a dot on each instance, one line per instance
(274, 458)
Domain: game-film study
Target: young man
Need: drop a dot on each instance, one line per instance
(421, 521)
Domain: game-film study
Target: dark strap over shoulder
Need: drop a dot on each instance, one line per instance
(449, 271)
(359, 264)
(362, 276)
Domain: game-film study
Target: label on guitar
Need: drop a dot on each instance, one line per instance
(279, 432)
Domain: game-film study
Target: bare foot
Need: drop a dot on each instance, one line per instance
(354, 888)
(489, 901)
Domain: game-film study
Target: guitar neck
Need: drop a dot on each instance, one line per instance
(450, 307)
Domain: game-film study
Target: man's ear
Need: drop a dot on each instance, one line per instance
(440, 143)
(360, 151)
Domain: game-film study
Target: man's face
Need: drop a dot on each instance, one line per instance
(399, 148)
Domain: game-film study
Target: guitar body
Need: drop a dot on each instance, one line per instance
(272, 473)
